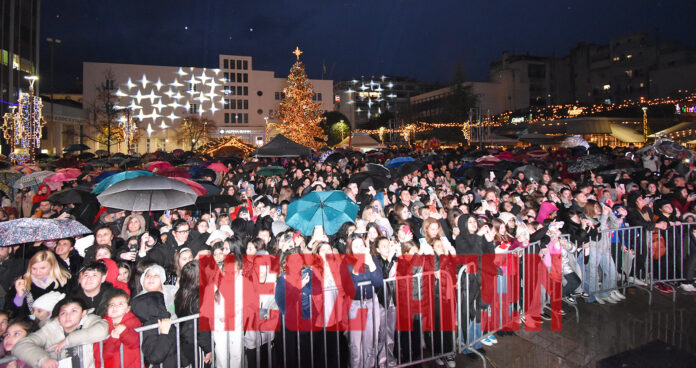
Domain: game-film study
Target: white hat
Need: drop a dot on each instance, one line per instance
(157, 269)
(505, 217)
(216, 235)
(48, 301)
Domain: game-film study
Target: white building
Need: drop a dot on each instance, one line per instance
(237, 98)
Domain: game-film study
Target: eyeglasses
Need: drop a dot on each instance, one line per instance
(183, 231)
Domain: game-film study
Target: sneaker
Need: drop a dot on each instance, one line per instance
(487, 342)
(611, 299)
(439, 362)
(545, 316)
(663, 288)
(600, 300)
(450, 362)
(688, 288)
(617, 295)
(570, 300)
(492, 339)
(636, 281)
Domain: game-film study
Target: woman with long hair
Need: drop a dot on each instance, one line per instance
(600, 256)
(43, 274)
(186, 304)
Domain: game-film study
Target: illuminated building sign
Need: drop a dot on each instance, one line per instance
(575, 111)
(517, 120)
(370, 94)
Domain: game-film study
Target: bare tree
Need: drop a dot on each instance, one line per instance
(192, 129)
(104, 114)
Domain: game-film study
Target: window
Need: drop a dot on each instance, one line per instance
(239, 91)
(270, 113)
(239, 77)
(616, 58)
(239, 64)
(225, 65)
(259, 93)
(246, 104)
(245, 65)
(231, 91)
(193, 87)
(246, 118)
(246, 91)
(193, 109)
(239, 104)
(246, 78)
(536, 71)
(227, 118)
(606, 87)
(231, 64)
(319, 96)
(259, 111)
(277, 95)
(231, 78)
(226, 104)
(227, 76)
(109, 84)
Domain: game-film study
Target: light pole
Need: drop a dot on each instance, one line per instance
(149, 135)
(53, 43)
(645, 123)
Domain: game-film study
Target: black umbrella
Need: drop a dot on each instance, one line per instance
(409, 167)
(72, 195)
(334, 158)
(529, 171)
(193, 161)
(587, 163)
(86, 155)
(101, 152)
(367, 179)
(208, 202)
(209, 187)
(99, 163)
(380, 169)
(76, 147)
(129, 163)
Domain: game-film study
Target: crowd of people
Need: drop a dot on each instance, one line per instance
(70, 298)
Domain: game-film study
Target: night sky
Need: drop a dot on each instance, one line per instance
(423, 39)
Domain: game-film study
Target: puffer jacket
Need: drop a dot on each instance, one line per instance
(32, 349)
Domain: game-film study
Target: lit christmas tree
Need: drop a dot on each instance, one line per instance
(298, 115)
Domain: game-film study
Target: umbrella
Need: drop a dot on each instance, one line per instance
(76, 147)
(26, 169)
(333, 157)
(174, 171)
(251, 166)
(222, 200)
(487, 161)
(73, 172)
(30, 230)
(380, 169)
(178, 152)
(158, 165)
(98, 162)
(587, 163)
(671, 149)
(198, 172)
(129, 163)
(394, 163)
(113, 179)
(58, 178)
(529, 171)
(575, 141)
(367, 179)
(409, 168)
(101, 153)
(105, 175)
(330, 209)
(218, 167)
(31, 180)
(192, 184)
(628, 170)
(148, 193)
(208, 186)
(86, 155)
(72, 195)
(270, 171)
(194, 161)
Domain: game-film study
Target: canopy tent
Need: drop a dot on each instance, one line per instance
(280, 146)
(684, 130)
(360, 141)
(625, 134)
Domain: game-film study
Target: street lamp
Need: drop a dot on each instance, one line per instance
(645, 123)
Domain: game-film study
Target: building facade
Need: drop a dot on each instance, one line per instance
(429, 106)
(370, 97)
(235, 98)
(19, 51)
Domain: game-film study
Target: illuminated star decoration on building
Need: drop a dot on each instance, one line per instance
(171, 99)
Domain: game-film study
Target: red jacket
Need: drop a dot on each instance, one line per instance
(112, 347)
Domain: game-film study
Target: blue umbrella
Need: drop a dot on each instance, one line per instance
(329, 209)
(113, 179)
(398, 161)
(105, 175)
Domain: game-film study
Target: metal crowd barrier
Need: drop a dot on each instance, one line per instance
(671, 264)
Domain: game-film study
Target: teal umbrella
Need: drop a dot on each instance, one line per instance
(270, 171)
(329, 209)
(113, 179)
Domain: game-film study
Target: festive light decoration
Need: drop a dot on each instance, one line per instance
(299, 116)
(22, 126)
(217, 146)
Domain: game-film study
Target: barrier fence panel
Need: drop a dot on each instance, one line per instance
(672, 260)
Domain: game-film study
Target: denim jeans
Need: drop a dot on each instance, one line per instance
(600, 262)
(473, 334)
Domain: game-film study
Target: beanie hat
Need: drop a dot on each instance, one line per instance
(159, 270)
(48, 301)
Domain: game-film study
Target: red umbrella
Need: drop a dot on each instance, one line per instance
(158, 165)
(507, 155)
(486, 161)
(192, 184)
(58, 178)
(72, 172)
(27, 169)
(171, 172)
(218, 167)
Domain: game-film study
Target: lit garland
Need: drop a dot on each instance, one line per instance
(22, 127)
(215, 145)
(299, 116)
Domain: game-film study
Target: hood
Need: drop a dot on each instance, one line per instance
(112, 275)
(157, 269)
(545, 210)
(124, 227)
(149, 307)
(38, 198)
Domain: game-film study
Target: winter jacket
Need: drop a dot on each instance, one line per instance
(112, 347)
(156, 348)
(22, 310)
(186, 335)
(387, 266)
(75, 262)
(32, 349)
(95, 302)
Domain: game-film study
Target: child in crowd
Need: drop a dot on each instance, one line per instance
(43, 307)
(16, 330)
(122, 324)
(65, 338)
